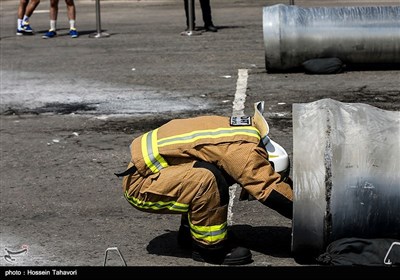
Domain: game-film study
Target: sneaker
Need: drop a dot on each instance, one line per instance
(225, 255)
(27, 28)
(73, 33)
(49, 34)
(211, 28)
(20, 32)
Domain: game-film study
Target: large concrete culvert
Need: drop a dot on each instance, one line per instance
(346, 174)
(356, 35)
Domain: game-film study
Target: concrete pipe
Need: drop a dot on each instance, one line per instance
(346, 162)
(295, 34)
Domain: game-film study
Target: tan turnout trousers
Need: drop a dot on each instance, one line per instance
(168, 181)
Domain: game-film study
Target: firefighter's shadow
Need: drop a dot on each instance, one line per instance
(167, 245)
(269, 240)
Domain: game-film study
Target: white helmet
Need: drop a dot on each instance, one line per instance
(277, 154)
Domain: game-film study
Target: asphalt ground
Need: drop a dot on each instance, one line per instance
(70, 108)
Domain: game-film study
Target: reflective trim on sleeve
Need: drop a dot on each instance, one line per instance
(210, 133)
(150, 153)
(159, 205)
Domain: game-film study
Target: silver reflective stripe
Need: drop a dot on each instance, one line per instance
(150, 151)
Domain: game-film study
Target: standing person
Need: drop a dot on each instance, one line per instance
(71, 13)
(25, 11)
(186, 167)
(207, 18)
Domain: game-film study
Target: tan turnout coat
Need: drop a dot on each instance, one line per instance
(167, 182)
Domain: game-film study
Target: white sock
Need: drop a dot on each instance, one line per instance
(71, 24)
(52, 25)
(25, 19)
(19, 23)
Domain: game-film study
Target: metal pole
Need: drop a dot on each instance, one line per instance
(98, 24)
(191, 14)
(291, 2)
(98, 34)
(191, 30)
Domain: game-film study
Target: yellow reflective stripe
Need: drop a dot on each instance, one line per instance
(211, 234)
(209, 133)
(150, 153)
(159, 205)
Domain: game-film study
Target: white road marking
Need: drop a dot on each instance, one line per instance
(41, 11)
(240, 94)
(237, 110)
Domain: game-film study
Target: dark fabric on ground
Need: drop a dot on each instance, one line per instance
(358, 251)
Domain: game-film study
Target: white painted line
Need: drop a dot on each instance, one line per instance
(240, 94)
(41, 11)
(237, 110)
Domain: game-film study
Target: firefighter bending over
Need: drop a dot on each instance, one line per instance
(186, 167)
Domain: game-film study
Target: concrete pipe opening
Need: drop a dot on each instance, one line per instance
(355, 35)
(346, 162)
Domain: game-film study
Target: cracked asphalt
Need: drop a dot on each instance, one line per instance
(70, 108)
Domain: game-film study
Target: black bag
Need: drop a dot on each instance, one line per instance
(331, 65)
(363, 252)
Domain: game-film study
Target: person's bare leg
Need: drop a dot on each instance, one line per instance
(22, 8)
(71, 10)
(71, 13)
(53, 20)
(31, 7)
(20, 15)
(53, 9)
(25, 10)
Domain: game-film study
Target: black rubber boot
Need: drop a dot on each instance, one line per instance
(225, 255)
(184, 237)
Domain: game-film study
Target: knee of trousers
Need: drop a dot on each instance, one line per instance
(222, 184)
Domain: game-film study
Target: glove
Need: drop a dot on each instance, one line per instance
(288, 181)
(244, 195)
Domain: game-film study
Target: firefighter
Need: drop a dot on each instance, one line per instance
(186, 167)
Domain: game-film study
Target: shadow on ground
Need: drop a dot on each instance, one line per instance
(269, 240)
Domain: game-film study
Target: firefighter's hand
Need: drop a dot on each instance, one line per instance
(244, 195)
(288, 181)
